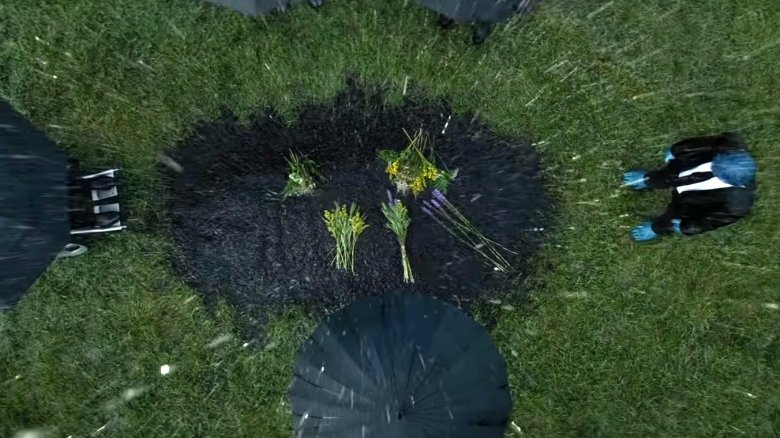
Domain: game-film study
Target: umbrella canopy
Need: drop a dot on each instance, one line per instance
(33, 204)
(481, 11)
(399, 366)
(254, 7)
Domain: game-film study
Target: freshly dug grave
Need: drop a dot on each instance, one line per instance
(234, 239)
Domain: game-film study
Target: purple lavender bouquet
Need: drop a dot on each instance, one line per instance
(448, 216)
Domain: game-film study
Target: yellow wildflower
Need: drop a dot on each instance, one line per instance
(430, 172)
(401, 208)
(358, 224)
(393, 168)
(418, 185)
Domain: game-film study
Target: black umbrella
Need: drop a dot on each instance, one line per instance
(33, 204)
(399, 366)
(479, 11)
(260, 7)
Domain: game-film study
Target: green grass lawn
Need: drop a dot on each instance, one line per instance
(676, 338)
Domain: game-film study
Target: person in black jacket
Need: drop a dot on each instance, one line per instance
(712, 180)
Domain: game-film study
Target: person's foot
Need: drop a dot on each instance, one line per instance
(446, 22)
(676, 224)
(636, 179)
(644, 232)
(668, 156)
(481, 32)
(316, 3)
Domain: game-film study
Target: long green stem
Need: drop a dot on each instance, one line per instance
(408, 276)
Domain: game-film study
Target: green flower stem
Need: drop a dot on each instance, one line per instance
(408, 276)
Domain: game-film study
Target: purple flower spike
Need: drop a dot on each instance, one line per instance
(427, 204)
(426, 211)
(436, 203)
(439, 195)
(390, 196)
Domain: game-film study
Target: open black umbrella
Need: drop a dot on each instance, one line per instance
(479, 11)
(33, 204)
(260, 7)
(399, 366)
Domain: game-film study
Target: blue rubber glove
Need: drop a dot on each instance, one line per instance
(668, 156)
(635, 179)
(644, 232)
(676, 226)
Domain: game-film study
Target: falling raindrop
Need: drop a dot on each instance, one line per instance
(100, 429)
(32, 433)
(171, 164)
(304, 417)
(219, 340)
(132, 393)
(446, 124)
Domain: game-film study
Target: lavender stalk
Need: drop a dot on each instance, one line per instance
(441, 210)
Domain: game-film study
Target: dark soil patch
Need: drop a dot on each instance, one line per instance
(234, 241)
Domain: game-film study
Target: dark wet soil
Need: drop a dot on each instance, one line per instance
(234, 240)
